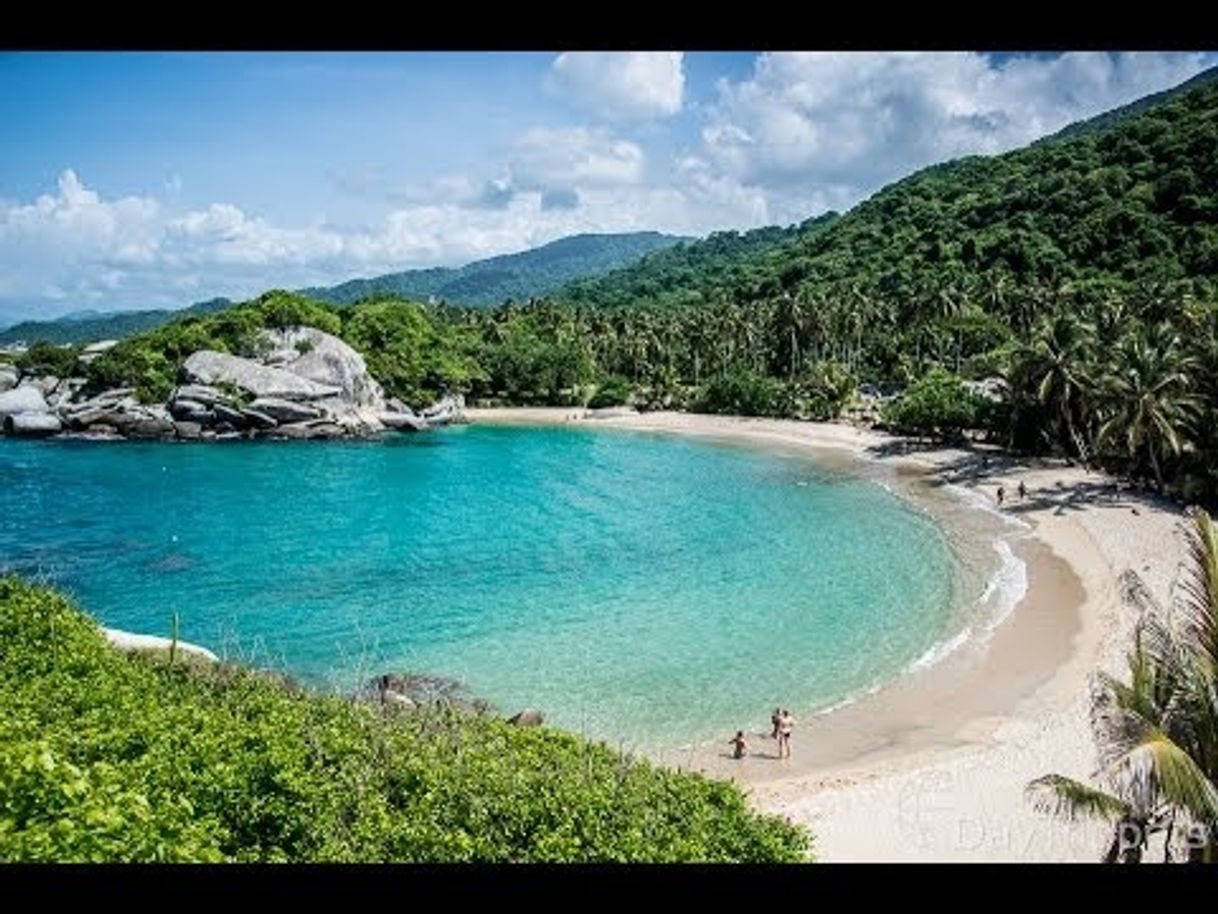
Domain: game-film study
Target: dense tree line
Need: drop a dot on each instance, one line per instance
(1082, 272)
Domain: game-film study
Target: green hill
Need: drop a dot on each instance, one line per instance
(107, 757)
(88, 327)
(691, 273)
(1116, 115)
(485, 282)
(520, 276)
(1125, 198)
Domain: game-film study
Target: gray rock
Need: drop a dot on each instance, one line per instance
(8, 378)
(529, 717)
(285, 410)
(258, 419)
(404, 422)
(399, 701)
(46, 384)
(106, 400)
(191, 411)
(418, 690)
(297, 431)
(188, 431)
(207, 367)
(22, 400)
(281, 357)
(446, 410)
(328, 361)
(96, 349)
(32, 425)
(201, 393)
(233, 417)
(149, 427)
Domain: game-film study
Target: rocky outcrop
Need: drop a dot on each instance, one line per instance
(308, 385)
(529, 717)
(32, 425)
(252, 378)
(285, 411)
(24, 399)
(326, 360)
(407, 691)
(447, 410)
(93, 350)
(9, 376)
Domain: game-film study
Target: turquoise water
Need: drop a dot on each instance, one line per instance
(643, 589)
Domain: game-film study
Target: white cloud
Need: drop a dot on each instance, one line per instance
(574, 157)
(801, 134)
(622, 84)
(839, 125)
(76, 250)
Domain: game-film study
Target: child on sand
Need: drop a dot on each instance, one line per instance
(739, 746)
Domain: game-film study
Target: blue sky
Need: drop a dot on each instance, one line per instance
(134, 180)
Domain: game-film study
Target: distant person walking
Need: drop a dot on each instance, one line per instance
(1002, 494)
(1023, 490)
(739, 746)
(786, 725)
(776, 721)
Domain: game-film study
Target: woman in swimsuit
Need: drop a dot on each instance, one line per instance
(785, 725)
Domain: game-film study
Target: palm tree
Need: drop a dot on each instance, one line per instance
(1157, 735)
(1150, 402)
(1056, 367)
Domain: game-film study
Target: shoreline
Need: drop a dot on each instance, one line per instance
(931, 766)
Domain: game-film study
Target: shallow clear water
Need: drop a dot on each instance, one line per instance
(638, 588)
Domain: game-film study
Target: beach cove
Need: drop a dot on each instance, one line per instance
(933, 766)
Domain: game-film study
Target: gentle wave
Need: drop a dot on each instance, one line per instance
(1003, 591)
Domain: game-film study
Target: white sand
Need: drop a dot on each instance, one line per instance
(934, 767)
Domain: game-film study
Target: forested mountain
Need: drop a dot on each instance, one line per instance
(1116, 115)
(87, 327)
(693, 272)
(492, 281)
(510, 276)
(1135, 201)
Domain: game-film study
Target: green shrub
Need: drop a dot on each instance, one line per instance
(613, 391)
(938, 403)
(48, 359)
(743, 393)
(106, 757)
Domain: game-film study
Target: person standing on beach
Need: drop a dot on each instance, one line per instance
(1002, 494)
(775, 721)
(739, 746)
(1023, 490)
(786, 724)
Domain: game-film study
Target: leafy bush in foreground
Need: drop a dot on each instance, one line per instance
(112, 757)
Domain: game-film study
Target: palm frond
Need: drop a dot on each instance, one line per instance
(1197, 600)
(1066, 798)
(1146, 766)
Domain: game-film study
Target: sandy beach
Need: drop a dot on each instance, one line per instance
(932, 767)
